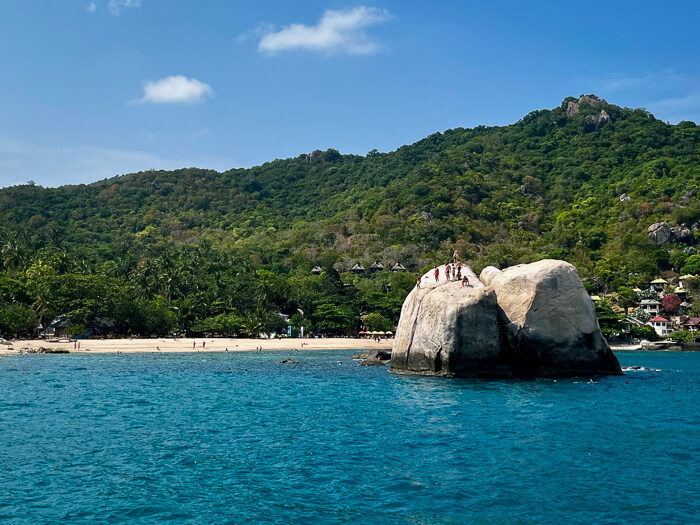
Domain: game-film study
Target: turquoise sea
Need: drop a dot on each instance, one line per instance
(179, 438)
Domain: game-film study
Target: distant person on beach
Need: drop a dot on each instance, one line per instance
(437, 274)
(204, 343)
(465, 281)
(194, 343)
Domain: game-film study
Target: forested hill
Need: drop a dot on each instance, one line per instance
(581, 182)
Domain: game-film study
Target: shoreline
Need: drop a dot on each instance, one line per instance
(185, 345)
(223, 344)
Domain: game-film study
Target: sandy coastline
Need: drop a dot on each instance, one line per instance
(126, 346)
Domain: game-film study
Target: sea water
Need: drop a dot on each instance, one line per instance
(241, 438)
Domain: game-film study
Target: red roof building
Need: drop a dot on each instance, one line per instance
(660, 325)
(692, 324)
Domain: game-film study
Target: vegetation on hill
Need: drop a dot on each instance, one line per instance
(199, 251)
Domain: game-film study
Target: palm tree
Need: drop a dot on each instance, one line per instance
(12, 257)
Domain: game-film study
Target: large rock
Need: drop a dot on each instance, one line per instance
(448, 329)
(487, 275)
(593, 101)
(596, 122)
(549, 322)
(531, 320)
(682, 234)
(572, 108)
(660, 233)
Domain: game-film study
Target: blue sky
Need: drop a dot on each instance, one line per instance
(94, 88)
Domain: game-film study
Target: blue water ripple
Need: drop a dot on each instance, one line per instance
(241, 438)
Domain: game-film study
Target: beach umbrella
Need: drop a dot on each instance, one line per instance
(388, 333)
(361, 332)
(381, 333)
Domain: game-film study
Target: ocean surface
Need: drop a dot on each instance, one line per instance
(180, 438)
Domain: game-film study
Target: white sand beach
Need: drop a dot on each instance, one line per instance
(103, 346)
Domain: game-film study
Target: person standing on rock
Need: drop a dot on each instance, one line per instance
(437, 274)
(459, 272)
(448, 269)
(417, 284)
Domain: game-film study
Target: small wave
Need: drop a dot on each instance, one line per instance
(636, 368)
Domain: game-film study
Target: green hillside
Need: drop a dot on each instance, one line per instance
(200, 251)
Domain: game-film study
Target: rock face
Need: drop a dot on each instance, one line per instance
(549, 323)
(572, 108)
(660, 233)
(447, 329)
(529, 320)
(596, 122)
(594, 101)
(487, 275)
(682, 234)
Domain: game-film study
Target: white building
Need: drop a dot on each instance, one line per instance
(651, 306)
(660, 325)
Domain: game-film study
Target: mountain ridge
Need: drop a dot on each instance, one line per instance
(580, 182)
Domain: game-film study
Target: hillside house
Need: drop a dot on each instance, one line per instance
(682, 280)
(682, 293)
(692, 324)
(658, 285)
(358, 268)
(376, 267)
(651, 306)
(660, 325)
(630, 322)
(398, 267)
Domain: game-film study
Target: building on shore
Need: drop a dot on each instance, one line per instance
(661, 325)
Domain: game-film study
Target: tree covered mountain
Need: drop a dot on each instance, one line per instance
(580, 182)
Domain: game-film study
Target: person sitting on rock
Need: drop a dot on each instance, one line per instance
(465, 281)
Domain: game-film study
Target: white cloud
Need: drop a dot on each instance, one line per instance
(91, 7)
(175, 89)
(341, 31)
(116, 6)
(21, 161)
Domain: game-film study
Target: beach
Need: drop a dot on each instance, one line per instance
(187, 344)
